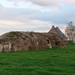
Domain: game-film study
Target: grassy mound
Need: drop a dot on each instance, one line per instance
(56, 61)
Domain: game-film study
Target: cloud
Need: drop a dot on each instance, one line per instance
(2, 9)
(30, 25)
(33, 19)
(9, 25)
(69, 1)
(45, 3)
(1, 6)
(10, 22)
(45, 14)
(40, 2)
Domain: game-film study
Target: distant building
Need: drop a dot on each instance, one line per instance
(57, 31)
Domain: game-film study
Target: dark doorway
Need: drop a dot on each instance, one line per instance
(48, 41)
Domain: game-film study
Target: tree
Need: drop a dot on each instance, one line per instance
(69, 31)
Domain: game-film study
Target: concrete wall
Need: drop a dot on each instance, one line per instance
(5, 47)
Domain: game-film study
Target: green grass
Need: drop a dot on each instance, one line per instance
(56, 61)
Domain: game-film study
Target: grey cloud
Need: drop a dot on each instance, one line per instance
(44, 2)
(18, 14)
(41, 2)
(47, 2)
(62, 16)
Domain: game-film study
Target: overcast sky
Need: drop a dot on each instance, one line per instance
(35, 15)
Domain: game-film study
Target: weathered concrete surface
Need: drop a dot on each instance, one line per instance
(18, 41)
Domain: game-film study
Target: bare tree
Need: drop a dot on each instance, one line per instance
(69, 31)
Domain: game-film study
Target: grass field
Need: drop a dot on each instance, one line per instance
(56, 61)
